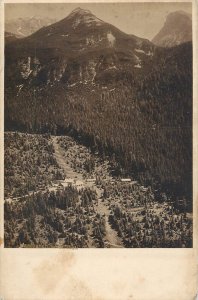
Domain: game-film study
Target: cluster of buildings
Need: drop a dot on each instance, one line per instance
(75, 183)
(72, 182)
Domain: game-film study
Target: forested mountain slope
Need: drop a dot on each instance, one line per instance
(118, 93)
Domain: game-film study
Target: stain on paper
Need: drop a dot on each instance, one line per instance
(1, 241)
(49, 274)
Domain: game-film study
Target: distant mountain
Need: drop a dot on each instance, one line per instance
(176, 30)
(123, 95)
(26, 26)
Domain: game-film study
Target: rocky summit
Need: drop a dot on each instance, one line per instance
(177, 29)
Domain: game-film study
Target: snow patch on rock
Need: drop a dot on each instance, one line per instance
(138, 66)
(149, 53)
(76, 23)
(111, 39)
(140, 51)
(112, 67)
(137, 59)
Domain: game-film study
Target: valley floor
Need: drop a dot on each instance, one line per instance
(75, 202)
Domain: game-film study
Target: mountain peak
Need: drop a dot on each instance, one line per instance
(83, 16)
(177, 29)
(179, 13)
(80, 10)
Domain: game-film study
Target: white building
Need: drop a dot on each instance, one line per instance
(125, 180)
(72, 182)
(91, 180)
(79, 184)
(69, 181)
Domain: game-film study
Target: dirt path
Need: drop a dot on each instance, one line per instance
(69, 172)
(111, 238)
(111, 235)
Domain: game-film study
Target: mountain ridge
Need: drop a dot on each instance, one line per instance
(27, 25)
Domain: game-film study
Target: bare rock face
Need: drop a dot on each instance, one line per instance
(176, 30)
(28, 67)
(25, 68)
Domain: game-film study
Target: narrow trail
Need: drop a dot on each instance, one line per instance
(111, 235)
(111, 238)
(69, 172)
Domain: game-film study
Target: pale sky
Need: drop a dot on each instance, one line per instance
(142, 19)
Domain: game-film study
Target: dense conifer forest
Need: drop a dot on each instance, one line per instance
(144, 121)
(29, 163)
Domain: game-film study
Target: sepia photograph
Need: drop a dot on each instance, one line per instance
(98, 109)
